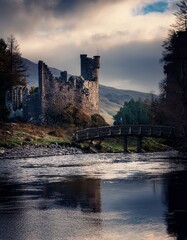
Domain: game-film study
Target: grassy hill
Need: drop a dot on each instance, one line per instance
(112, 99)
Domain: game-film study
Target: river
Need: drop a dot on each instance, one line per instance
(94, 197)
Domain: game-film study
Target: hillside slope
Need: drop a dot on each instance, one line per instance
(32, 72)
(111, 99)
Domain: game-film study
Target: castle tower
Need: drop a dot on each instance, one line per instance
(96, 63)
(90, 67)
(90, 72)
(83, 65)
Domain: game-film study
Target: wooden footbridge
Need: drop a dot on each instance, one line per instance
(138, 131)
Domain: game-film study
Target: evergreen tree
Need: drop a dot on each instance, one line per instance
(12, 71)
(17, 69)
(181, 16)
(134, 112)
(172, 106)
(3, 78)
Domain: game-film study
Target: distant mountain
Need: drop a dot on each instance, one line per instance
(111, 99)
(32, 71)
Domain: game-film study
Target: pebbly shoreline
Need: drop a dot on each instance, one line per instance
(54, 149)
(28, 151)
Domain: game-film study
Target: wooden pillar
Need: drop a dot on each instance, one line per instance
(139, 144)
(126, 144)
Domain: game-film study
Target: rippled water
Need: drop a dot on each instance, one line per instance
(94, 196)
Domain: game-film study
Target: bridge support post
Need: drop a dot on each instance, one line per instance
(126, 144)
(139, 144)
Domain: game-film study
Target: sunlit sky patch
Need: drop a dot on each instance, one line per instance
(160, 6)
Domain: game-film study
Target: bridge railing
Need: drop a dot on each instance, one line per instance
(134, 130)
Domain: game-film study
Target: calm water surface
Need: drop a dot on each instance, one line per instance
(94, 196)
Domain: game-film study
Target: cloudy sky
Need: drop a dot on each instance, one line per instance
(128, 35)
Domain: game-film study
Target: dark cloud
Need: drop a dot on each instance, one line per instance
(61, 6)
(137, 62)
(8, 9)
(23, 16)
(55, 6)
(15, 18)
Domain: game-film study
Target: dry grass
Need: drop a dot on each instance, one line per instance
(12, 134)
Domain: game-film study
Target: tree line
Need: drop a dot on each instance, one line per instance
(12, 71)
(134, 112)
(171, 107)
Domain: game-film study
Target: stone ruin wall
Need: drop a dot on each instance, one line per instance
(59, 93)
(90, 103)
(45, 84)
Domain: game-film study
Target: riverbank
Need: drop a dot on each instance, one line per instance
(20, 140)
(38, 151)
(24, 140)
(20, 134)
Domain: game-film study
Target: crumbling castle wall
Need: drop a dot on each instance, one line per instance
(90, 101)
(31, 106)
(56, 94)
(15, 101)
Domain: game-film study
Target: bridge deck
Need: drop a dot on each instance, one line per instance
(114, 131)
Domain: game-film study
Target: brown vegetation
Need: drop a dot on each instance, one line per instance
(12, 134)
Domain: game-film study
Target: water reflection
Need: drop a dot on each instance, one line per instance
(10, 193)
(50, 210)
(107, 197)
(75, 192)
(176, 200)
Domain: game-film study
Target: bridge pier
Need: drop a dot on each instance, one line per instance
(126, 144)
(139, 144)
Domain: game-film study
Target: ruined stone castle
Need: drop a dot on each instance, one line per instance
(54, 94)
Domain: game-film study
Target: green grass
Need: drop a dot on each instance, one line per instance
(117, 145)
(154, 145)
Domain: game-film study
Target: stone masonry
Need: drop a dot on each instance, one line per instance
(56, 94)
